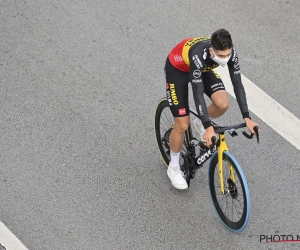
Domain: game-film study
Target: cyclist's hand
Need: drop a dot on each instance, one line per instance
(209, 133)
(251, 124)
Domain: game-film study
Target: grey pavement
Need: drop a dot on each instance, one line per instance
(80, 80)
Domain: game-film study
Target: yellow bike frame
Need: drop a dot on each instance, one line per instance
(221, 148)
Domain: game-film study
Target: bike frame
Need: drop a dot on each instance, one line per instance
(219, 154)
(221, 147)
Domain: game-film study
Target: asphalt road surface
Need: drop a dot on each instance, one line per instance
(79, 84)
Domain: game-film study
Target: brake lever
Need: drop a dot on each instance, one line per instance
(213, 142)
(250, 136)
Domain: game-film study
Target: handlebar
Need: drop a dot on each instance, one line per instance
(242, 125)
(250, 136)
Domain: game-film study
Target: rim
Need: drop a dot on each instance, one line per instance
(232, 204)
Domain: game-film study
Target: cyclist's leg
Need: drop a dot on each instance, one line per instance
(215, 90)
(177, 134)
(177, 95)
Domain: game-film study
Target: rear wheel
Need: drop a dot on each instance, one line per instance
(233, 207)
(164, 123)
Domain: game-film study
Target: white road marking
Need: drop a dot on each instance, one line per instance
(266, 108)
(9, 240)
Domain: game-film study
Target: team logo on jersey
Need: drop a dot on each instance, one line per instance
(178, 58)
(236, 64)
(204, 54)
(171, 94)
(234, 55)
(200, 110)
(193, 41)
(182, 111)
(196, 73)
(197, 61)
(196, 80)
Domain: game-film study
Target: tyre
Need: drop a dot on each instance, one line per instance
(233, 207)
(164, 123)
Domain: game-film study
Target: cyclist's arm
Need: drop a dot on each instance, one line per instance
(196, 67)
(235, 75)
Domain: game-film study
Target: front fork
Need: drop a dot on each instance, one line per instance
(223, 147)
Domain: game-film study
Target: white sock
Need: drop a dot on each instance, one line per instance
(174, 159)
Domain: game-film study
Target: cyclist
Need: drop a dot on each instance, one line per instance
(193, 60)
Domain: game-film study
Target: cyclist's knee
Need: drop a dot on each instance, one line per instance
(181, 128)
(182, 125)
(223, 107)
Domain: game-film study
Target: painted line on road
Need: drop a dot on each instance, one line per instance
(9, 240)
(266, 108)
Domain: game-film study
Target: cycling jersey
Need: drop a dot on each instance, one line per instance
(192, 55)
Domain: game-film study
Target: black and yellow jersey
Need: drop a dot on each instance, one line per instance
(192, 55)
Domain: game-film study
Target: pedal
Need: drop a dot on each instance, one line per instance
(233, 133)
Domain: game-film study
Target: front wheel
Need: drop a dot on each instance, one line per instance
(232, 206)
